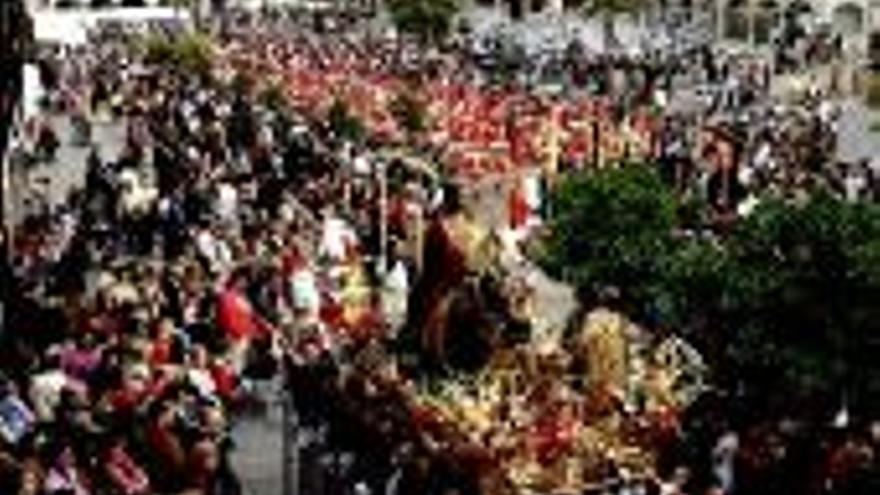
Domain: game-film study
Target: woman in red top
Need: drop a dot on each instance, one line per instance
(236, 319)
(518, 207)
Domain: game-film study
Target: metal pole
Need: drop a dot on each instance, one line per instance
(752, 10)
(720, 20)
(382, 265)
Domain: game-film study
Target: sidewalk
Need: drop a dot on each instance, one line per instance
(68, 171)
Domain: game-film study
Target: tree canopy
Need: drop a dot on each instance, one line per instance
(783, 305)
(188, 53)
(611, 230)
(428, 20)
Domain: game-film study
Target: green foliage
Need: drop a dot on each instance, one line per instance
(803, 284)
(409, 112)
(344, 124)
(694, 277)
(612, 229)
(784, 307)
(428, 20)
(189, 53)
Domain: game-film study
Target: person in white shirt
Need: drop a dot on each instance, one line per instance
(335, 238)
(306, 296)
(723, 457)
(197, 372)
(226, 205)
(396, 293)
(532, 190)
(45, 389)
(854, 184)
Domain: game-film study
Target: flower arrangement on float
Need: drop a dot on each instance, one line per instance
(539, 427)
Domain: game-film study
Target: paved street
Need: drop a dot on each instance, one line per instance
(257, 456)
(855, 140)
(68, 170)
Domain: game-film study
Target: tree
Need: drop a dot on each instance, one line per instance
(801, 313)
(611, 229)
(429, 20)
(783, 306)
(190, 53)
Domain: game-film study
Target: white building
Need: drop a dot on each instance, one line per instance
(753, 20)
(750, 21)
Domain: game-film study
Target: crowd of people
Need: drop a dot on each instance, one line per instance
(740, 132)
(141, 310)
(234, 233)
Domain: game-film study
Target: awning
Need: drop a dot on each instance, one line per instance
(62, 28)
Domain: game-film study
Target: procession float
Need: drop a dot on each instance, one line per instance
(476, 389)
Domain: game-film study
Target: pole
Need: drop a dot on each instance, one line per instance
(420, 240)
(382, 265)
(752, 10)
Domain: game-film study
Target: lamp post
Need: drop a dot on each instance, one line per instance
(382, 261)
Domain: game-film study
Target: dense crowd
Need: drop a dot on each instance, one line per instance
(711, 118)
(143, 312)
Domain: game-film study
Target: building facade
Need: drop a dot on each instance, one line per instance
(754, 20)
(748, 21)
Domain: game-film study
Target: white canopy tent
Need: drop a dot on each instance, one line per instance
(71, 27)
(312, 5)
(62, 28)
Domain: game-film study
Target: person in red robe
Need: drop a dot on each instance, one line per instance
(517, 207)
(238, 321)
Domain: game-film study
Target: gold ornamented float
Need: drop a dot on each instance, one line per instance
(561, 419)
